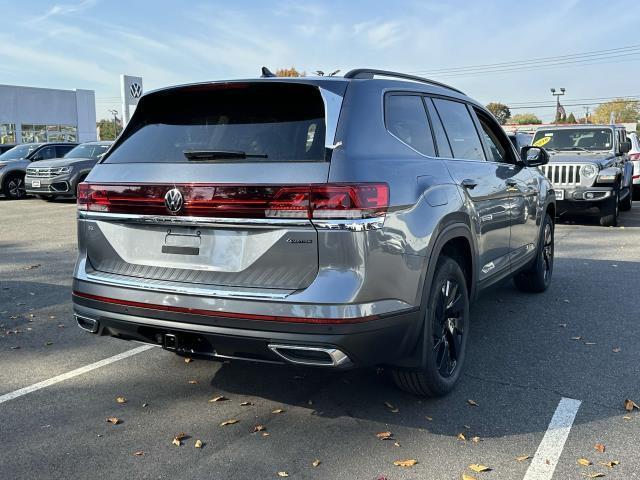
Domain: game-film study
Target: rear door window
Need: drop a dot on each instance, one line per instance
(234, 122)
(444, 149)
(461, 132)
(406, 119)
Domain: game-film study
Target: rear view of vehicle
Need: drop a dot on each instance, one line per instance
(49, 179)
(213, 209)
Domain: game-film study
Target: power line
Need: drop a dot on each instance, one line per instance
(625, 97)
(566, 105)
(585, 56)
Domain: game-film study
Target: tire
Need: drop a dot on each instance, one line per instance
(537, 278)
(50, 198)
(610, 213)
(635, 193)
(445, 334)
(627, 203)
(13, 186)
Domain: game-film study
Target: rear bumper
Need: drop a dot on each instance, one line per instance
(370, 342)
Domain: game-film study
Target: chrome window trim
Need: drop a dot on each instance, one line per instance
(353, 225)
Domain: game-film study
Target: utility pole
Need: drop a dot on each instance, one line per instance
(557, 95)
(586, 114)
(115, 123)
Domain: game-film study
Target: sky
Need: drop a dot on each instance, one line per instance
(87, 44)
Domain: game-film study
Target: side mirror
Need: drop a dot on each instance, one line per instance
(534, 156)
(625, 146)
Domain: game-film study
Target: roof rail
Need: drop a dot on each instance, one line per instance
(368, 73)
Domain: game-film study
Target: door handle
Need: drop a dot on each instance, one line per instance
(469, 184)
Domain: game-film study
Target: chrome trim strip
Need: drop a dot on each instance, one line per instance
(158, 287)
(91, 321)
(193, 221)
(338, 358)
(354, 225)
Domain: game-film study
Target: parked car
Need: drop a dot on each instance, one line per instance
(329, 222)
(634, 156)
(589, 168)
(520, 139)
(5, 147)
(14, 163)
(49, 179)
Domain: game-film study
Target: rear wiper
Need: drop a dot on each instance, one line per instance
(204, 155)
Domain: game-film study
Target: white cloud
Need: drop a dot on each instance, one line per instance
(66, 9)
(380, 35)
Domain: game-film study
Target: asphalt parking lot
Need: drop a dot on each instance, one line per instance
(578, 341)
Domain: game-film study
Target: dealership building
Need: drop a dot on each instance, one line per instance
(30, 114)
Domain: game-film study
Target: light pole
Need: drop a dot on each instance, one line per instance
(557, 95)
(586, 114)
(115, 123)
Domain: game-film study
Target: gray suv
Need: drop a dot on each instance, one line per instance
(329, 222)
(49, 179)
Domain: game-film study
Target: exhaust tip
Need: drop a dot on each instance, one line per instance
(311, 356)
(89, 324)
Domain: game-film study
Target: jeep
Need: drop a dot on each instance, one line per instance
(589, 169)
(333, 222)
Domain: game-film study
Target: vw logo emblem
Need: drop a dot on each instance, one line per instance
(135, 89)
(173, 200)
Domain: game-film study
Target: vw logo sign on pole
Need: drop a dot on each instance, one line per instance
(173, 200)
(131, 90)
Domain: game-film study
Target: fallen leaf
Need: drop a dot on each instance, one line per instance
(114, 420)
(315, 463)
(405, 463)
(475, 439)
(576, 338)
(229, 422)
(468, 427)
(15, 347)
(47, 343)
(265, 434)
(198, 444)
(177, 440)
(472, 403)
(589, 343)
(629, 405)
(476, 467)
(562, 325)
(584, 462)
(391, 407)
(626, 417)
(429, 418)
(461, 436)
(617, 350)
(599, 447)
(188, 360)
(384, 435)
(121, 400)
(259, 428)
(467, 477)
(219, 398)
(610, 464)
(278, 410)
(194, 382)
(245, 404)
(31, 267)
(145, 405)
(397, 444)
(522, 458)
(310, 403)
(283, 474)
(139, 453)
(594, 475)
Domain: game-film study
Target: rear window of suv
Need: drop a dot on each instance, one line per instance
(234, 122)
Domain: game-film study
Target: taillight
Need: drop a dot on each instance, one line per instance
(326, 201)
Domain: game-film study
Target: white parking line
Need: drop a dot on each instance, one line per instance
(73, 373)
(546, 458)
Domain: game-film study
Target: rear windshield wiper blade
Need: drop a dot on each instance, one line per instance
(204, 155)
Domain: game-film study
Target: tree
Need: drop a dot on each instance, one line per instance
(560, 118)
(289, 72)
(106, 130)
(624, 111)
(571, 118)
(500, 111)
(525, 119)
